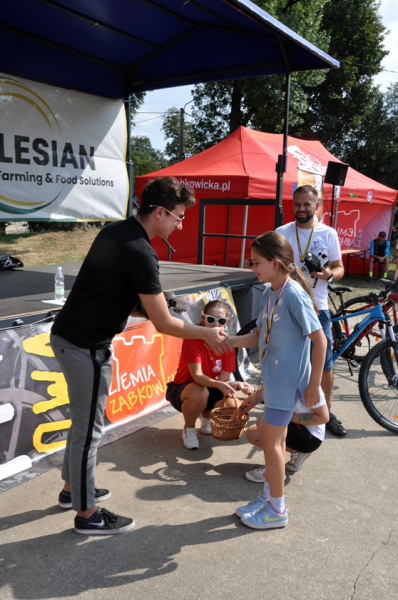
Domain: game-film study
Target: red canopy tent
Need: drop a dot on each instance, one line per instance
(243, 166)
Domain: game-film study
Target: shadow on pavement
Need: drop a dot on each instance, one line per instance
(27, 517)
(179, 472)
(66, 564)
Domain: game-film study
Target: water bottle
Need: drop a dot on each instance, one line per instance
(59, 284)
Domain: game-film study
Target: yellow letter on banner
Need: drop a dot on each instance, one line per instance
(58, 390)
(43, 428)
(38, 344)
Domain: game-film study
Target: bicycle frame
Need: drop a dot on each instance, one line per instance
(387, 305)
(375, 313)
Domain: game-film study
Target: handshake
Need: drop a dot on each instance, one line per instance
(217, 339)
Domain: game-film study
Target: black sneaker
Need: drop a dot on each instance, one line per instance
(335, 426)
(65, 498)
(103, 522)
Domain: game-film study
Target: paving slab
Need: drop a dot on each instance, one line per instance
(341, 541)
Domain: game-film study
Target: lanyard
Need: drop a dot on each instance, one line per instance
(268, 323)
(301, 254)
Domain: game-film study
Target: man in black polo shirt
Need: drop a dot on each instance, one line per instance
(121, 268)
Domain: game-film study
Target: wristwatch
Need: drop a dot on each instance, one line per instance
(331, 278)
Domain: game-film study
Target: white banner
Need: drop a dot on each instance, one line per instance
(62, 154)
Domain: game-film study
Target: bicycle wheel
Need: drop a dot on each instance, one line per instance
(368, 338)
(378, 385)
(247, 360)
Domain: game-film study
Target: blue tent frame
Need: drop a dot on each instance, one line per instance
(114, 48)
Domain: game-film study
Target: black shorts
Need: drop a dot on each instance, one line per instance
(300, 439)
(174, 391)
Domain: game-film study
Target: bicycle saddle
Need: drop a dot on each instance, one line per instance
(336, 289)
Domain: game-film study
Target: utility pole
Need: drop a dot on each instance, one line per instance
(181, 138)
(282, 158)
(181, 133)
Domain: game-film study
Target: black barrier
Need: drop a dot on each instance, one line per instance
(34, 403)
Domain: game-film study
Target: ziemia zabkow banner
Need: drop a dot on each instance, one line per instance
(34, 403)
(62, 154)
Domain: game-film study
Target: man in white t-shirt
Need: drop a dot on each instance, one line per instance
(306, 234)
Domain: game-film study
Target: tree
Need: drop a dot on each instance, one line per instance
(145, 158)
(345, 97)
(220, 108)
(171, 128)
(372, 147)
(135, 102)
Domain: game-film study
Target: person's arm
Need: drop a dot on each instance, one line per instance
(242, 386)
(250, 340)
(387, 252)
(197, 374)
(319, 416)
(250, 402)
(312, 394)
(157, 310)
(336, 267)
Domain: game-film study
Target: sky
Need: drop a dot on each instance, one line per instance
(159, 101)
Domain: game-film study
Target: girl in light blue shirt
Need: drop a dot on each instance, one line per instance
(286, 326)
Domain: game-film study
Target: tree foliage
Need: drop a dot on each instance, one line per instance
(145, 158)
(171, 129)
(328, 105)
(346, 95)
(136, 100)
(221, 107)
(372, 147)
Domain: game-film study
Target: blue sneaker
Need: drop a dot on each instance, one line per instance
(265, 518)
(252, 507)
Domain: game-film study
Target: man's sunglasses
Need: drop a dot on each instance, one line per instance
(178, 219)
(210, 320)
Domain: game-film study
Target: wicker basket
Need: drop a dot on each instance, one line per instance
(226, 425)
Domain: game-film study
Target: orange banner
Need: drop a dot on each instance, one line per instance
(144, 362)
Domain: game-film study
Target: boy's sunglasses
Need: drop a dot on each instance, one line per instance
(210, 320)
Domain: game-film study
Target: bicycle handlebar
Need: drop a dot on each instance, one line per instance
(376, 296)
(373, 297)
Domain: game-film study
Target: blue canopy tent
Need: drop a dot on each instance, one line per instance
(114, 48)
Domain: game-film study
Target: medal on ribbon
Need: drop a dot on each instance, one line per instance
(301, 253)
(268, 322)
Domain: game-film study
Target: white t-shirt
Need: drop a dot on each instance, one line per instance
(317, 431)
(324, 241)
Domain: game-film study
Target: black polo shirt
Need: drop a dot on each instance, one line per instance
(120, 264)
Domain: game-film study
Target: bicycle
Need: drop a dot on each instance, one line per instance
(378, 383)
(248, 363)
(359, 349)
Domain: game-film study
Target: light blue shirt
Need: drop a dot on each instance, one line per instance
(287, 365)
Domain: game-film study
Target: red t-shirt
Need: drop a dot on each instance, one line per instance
(196, 351)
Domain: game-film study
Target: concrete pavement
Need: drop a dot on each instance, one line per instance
(341, 541)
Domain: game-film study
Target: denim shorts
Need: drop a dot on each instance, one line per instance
(325, 321)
